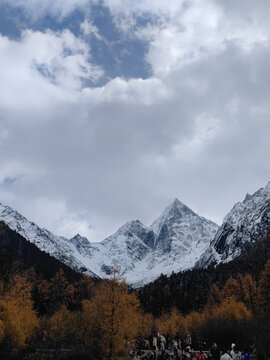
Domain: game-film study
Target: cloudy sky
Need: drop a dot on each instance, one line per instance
(111, 109)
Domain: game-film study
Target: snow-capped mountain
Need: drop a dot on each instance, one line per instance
(173, 242)
(57, 246)
(247, 222)
(181, 230)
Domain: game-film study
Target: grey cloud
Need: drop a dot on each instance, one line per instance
(111, 161)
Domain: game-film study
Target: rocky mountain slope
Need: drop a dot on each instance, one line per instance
(179, 239)
(188, 290)
(172, 243)
(56, 246)
(247, 222)
(18, 255)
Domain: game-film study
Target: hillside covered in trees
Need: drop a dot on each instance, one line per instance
(104, 319)
(188, 291)
(46, 304)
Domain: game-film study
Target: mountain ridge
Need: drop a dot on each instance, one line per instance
(142, 252)
(178, 240)
(247, 221)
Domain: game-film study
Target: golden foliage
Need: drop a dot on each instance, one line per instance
(231, 310)
(215, 312)
(171, 323)
(17, 317)
(249, 292)
(115, 312)
(193, 321)
(63, 324)
(231, 289)
(147, 324)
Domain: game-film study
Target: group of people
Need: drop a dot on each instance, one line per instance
(159, 347)
(160, 344)
(234, 353)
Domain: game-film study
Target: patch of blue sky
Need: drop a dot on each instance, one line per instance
(8, 181)
(12, 21)
(119, 54)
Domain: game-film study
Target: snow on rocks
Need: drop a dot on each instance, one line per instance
(247, 222)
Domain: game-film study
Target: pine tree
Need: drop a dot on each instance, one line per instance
(264, 288)
(61, 291)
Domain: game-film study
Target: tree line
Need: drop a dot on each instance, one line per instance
(105, 318)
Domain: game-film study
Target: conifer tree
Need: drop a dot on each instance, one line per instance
(248, 290)
(147, 326)
(17, 317)
(214, 297)
(264, 287)
(231, 290)
(116, 312)
(61, 291)
(64, 325)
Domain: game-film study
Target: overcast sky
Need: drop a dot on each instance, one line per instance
(111, 109)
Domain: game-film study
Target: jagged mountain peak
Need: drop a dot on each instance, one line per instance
(134, 237)
(175, 212)
(247, 222)
(79, 241)
(247, 197)
(132, 225)
(130, 228)
(250, 204)
(78, 237)
(179, 205)
(142, 253)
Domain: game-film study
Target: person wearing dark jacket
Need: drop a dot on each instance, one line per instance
(215, 353)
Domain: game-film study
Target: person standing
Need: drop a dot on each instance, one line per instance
(238, 355)
(233, 353)
(225, 355)
(246, 356)
(162, 343)
(201, 355)
(214, 352)
(175, 346)
(154, 342)
(188, 340)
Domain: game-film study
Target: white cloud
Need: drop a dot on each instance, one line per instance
(197, 129)
(88, 28)
(43, 68)
(206, 128)
(182, 32)
(54, 214)
(133, 91)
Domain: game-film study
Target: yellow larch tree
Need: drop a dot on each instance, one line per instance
(231, 290)
(116, 312)
(18, 319)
